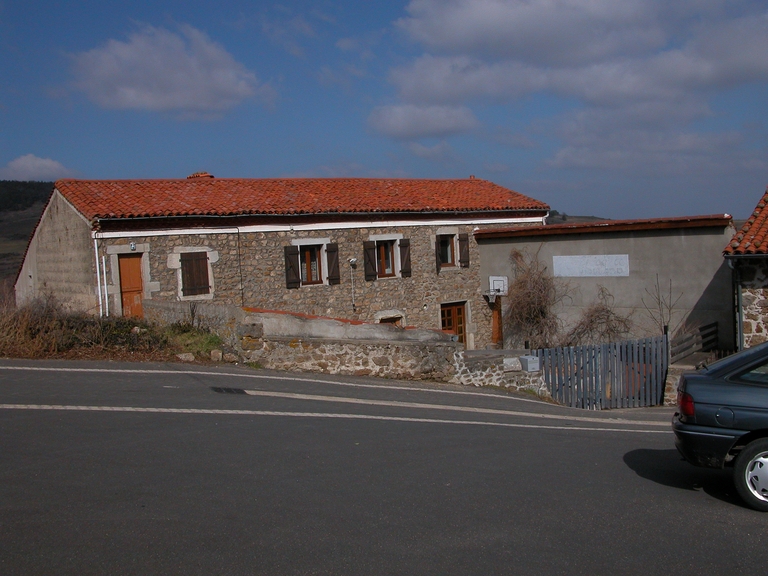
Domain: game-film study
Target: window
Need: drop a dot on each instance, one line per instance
(387, 256)
(194, 273)
(311, 267)
(446, 251)
(311, 261)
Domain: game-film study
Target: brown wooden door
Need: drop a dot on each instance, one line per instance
(131, 288)
(497, 331)
(452, 319)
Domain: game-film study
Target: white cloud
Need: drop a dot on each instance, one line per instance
(637, 75)
(550, 32)
(160, 70)
(30, 167)
(440, 152)
(409, 122)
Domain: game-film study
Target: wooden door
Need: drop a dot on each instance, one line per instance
(131, 287)
(452, 319)
(497, 331)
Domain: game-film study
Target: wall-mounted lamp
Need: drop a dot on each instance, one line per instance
(352, 262)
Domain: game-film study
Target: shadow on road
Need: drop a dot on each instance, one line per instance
(667, 467)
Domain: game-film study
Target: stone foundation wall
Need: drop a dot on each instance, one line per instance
(294, 343)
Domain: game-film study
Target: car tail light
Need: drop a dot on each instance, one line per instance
(686, 404)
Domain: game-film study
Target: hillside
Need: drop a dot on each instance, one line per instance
(21, 204)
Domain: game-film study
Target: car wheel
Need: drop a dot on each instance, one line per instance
(751, 474)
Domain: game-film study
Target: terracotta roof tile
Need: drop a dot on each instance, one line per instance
(752, 239)
(99, 199)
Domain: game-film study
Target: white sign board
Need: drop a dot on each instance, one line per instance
(591, 266)
(498, 285)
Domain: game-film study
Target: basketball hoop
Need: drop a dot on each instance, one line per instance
(490, 296)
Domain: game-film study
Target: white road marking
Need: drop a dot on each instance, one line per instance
(262, 377)
(354, 400)
(421, 406)
(308, 415)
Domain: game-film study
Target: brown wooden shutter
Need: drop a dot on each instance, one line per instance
(194, 273)
(464, 250)
(405, 258)
(332, 253)
(292, 270)
(369, 259)
(438, 260)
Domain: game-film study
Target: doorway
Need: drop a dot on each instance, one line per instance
(131, 286)
(453, 320)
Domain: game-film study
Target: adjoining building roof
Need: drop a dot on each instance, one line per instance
(605, 226)
(752, 239)
(208, 196)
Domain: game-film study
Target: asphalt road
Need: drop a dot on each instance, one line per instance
(110, 468)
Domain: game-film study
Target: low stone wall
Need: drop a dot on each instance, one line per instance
(411, 361)
(297, 343)
(673, 379)
(498, 368)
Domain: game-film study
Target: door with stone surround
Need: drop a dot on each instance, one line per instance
(453, 319)
(131, 286)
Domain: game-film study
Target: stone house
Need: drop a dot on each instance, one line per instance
(635, 262)
(399, 251)
(747, 255)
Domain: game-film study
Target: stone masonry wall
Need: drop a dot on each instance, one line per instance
(376, 350)
(250, 271)
(441, 362)
(754, 298)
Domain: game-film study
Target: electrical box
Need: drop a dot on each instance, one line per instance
(530, 363)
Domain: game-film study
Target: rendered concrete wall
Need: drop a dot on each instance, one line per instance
(691, 258)
(60, 260)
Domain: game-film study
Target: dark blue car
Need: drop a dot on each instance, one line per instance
(722, 420)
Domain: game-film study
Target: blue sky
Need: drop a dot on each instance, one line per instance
(631, 109)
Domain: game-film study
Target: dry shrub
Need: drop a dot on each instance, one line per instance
(533, 294)
(599, 323)
(44, 329)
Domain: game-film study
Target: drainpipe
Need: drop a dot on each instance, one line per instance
(739, 305)
(98, 276)
(104, 275)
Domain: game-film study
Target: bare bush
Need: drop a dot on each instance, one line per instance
(534, 294)
(661, 306)
(599, 323)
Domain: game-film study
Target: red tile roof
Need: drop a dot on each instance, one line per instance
(100, 199)
(600, 226)
(752, 239)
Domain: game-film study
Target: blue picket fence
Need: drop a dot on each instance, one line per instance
(628, 374)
